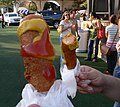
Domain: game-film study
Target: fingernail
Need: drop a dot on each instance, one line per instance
(90, 89)
(84, 85)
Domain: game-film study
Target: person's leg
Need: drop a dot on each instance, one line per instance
(116, 73)
(111, 61)
(90, 49)
(116, 104)
(114, 60)
(96, 49)
(2, 24)
(61, 56)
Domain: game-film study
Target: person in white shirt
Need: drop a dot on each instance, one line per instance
(64, 27)
(111, 33)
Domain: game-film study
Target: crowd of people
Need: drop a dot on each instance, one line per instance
(68, 24)
(64, 27)
(105, 84)
(71, 23)
(108, 85)
(93, 37)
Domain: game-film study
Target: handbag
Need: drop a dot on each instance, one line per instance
(106, 50)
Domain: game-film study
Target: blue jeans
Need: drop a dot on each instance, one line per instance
(116, 73)
(61, 57)
(111, 61)
(90, 48)
(61, 39)
(116, 104)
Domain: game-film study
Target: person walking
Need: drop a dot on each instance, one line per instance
(111, 32)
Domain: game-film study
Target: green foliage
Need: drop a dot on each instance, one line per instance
(32, 7)
(80, 4)
(47, 6)
(83, 5)
(6, 2)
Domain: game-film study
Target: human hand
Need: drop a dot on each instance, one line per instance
(73, 27)
(90, 80)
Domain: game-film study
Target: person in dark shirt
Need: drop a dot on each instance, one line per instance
(3, 25)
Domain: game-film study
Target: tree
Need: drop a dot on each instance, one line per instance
(6, 2)
(83, 5)
(32, 6)
(80, 4)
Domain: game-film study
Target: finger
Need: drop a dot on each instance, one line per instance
(86, 90)
(89, 73)
(86, 82)
(83, 83)
(85, 68)
(96, 90)
(77, 79)
(81, 90)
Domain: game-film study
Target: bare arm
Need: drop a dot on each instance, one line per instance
(112, 87)
(99, 25)
(106, 35)
(62, 29)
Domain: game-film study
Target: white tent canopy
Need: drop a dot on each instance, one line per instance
(23, 10)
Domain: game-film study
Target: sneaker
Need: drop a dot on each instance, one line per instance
(87, 59)
(94, 60)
